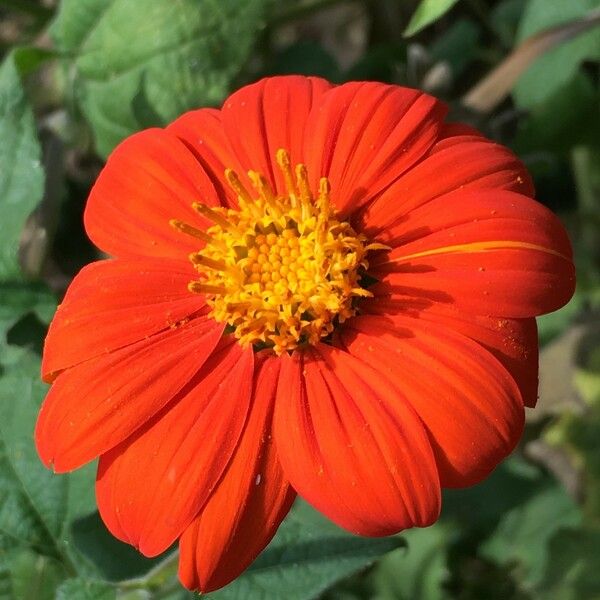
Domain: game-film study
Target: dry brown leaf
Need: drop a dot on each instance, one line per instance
(495, 86)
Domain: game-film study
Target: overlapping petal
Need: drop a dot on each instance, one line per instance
(514, 342)
(351, 447)
(202, 132)
(94, 406)
(150, 487)
(489, 252)
(363, 136)
(261, 118)
(469, 403)
(149, 179)
(148, 295)
(248, 504)
(454, 163)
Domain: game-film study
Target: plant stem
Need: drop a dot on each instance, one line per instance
(160, 579)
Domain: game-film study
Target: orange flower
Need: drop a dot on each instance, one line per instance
(352, 320)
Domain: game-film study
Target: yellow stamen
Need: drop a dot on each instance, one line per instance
(283, 269)
(304, 190)
(185, 228)
(261, 185)
(199, 260)
(201, 288)
(283, 161)
(378, 246)
(237, 186)
(211, 215)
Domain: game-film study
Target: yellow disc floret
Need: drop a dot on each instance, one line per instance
(282, 270)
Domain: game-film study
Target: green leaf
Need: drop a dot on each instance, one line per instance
(33, 505)
(21, 173)
(481, 506)
(427, 12)
(550, 326)
(19, 298)
(134, 66)
(505, 19)
(308, 555)
(82, 589)
(36, 506)
(577, 433)
(383, 62)
(418, 570)
(457, 46)
(554, 69)
(113, 559)
(573, 567)
(305, 58)
(577, 104)
(29, 58)
(523, 533)
(587, 374)
(34, 576)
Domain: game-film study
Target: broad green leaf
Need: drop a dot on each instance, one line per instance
(19, 298)
(36, 506)
(578, 434)
(6, 586)
(135, 64)
(505, 18)
(481, 506)
(34, 576)
(458, 45)
(587, 374)
(161, 581)
(113, 559)
(573, 567)
(585, 161)
(21, 173)
(427, 12)
(552, 325)
(577, 104)
(29, 58)
(82, 589)
(523, 533)
(33, 501)
(384, 62)
(305, 58)
(418, 570)
(553, 70)
(307, 556)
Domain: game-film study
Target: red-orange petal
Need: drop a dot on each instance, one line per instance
(351, 447)
(150, 487)
(469, 403)
(149, 179)
(458, 132)
(514, 342)
(364, 136)
(113, 303)
(94, 406)
(248, 504)
(202, 131)
(489, 252)
(453, 164)
(270, 114)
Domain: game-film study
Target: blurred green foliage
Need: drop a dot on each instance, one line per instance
(78, 76)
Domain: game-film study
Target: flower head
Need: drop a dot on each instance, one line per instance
(316, 290)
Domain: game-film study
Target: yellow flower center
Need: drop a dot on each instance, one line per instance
(282, 270)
